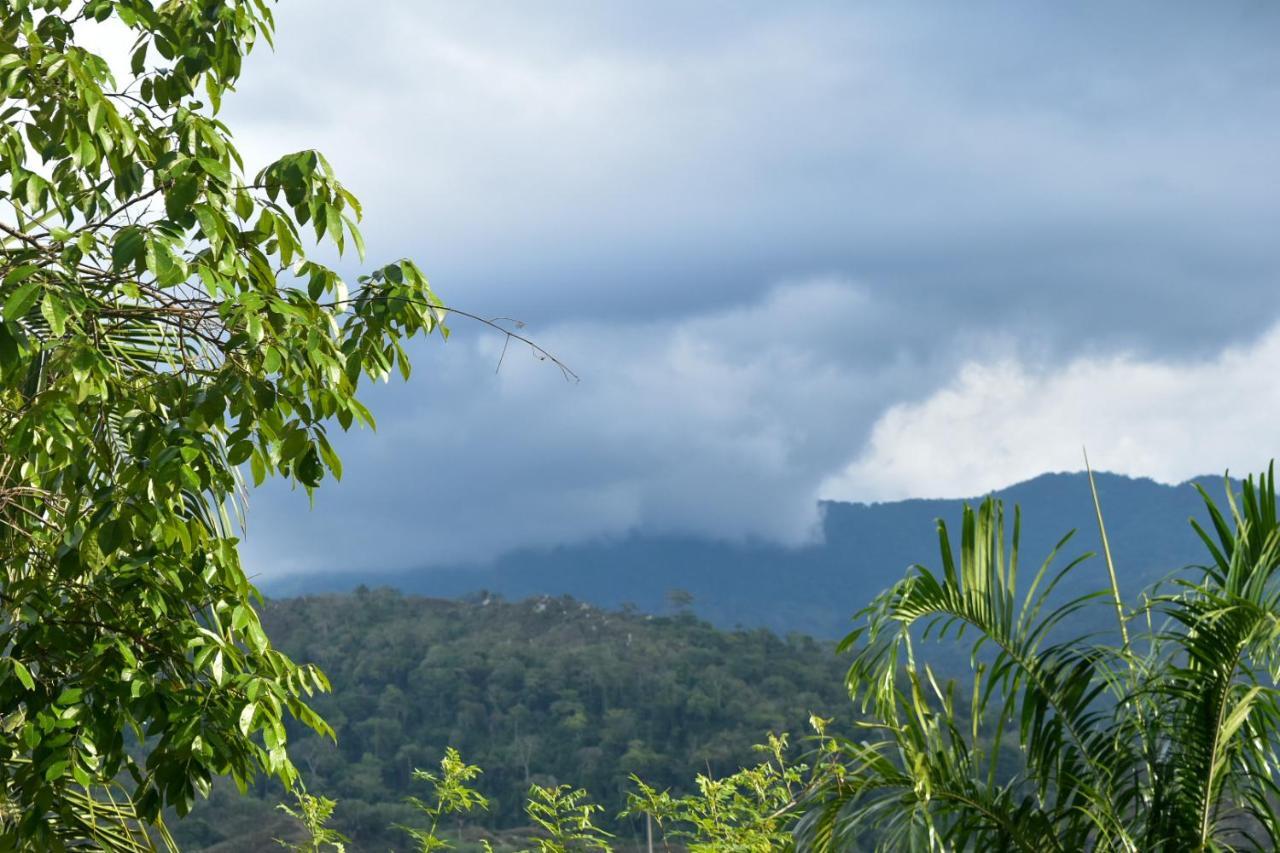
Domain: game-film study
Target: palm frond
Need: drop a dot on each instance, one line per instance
(1029, 684)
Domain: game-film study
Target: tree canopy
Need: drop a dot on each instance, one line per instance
(161, 325)
(546, 691)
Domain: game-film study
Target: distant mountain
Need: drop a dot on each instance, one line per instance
(816, 588)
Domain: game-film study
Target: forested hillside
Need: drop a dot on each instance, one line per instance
(546, 690)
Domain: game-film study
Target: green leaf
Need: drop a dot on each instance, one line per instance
(130, 244)
(178, 198)
(356, 237)
(209, 221)
(9, 353)
(258, 468)
(21, 300)
(35, 189)
(239, 452)
(24, 674)
(215, 168)
(55, 314)
(167, 267)
(20, 273)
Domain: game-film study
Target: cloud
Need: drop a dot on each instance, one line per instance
(771, 237)
(733, 424)
(1002, 422)
(722, 424)
(573, 160)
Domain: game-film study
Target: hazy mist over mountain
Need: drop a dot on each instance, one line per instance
(815, 588)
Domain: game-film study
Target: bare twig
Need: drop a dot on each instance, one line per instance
(538, 351)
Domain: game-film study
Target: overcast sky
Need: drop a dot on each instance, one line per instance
(795, 251)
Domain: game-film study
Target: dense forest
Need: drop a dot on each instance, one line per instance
(547, 690)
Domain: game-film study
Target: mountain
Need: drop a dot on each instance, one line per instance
(815, 589)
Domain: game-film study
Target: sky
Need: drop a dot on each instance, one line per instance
(795, 252)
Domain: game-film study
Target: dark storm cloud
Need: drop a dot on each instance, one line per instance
(667, 190)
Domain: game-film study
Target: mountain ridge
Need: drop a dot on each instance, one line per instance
(815, 588)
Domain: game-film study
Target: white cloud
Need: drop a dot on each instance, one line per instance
(1002, 422)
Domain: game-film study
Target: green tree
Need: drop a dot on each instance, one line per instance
(751, 811)
(565, 815)
(1162, 736)
(161, 325)
(679, 600)
(313, 813)
(494, 680)
(452, 795)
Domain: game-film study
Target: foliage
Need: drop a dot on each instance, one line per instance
(453, 796)
(751, 811)
(160, 325)
(546, 691)
(564, 814)
(313, 813)
(1159, 736)
(101, 817)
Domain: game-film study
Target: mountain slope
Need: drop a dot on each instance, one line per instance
(814, 589)
(548, 690)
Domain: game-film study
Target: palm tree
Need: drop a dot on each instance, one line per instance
(1159, 734)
